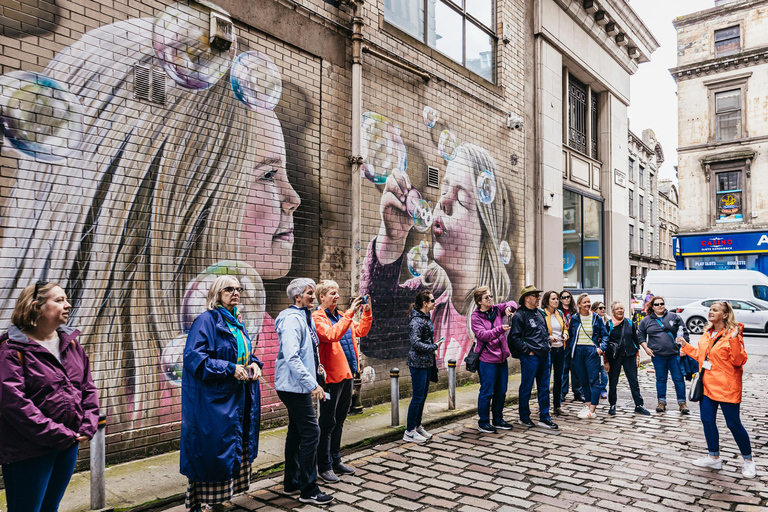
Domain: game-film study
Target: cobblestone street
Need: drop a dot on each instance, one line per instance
(627, 462)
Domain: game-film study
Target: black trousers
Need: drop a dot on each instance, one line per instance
(333, 412)
(301, 444)
(629, 363)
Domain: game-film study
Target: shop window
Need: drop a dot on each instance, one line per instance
(642, 241)
(728, 115)
(729, 197)
(640, 204)
(460, 29)
(582, 241)
(727, 41)
(631, 203)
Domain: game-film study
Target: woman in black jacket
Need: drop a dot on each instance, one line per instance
(622, 353)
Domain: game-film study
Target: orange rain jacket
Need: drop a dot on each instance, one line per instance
(331, 353)
(723, 382)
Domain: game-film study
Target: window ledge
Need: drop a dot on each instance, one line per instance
(433, 54)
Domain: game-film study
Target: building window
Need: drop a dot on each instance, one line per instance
(641, 205)
(577, 115)
(593, 135)
(631, 166)
(729, 197)
(631, 238)
(650, 209)
(642, 241)
(640, 175)
(650, 240)
(728, 114)
(727, 41)
(460, 29)
(631, 203)
(582, 241)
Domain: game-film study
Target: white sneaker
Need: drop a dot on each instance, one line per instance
(585, 413)
(709, 462)
(414, 437)
(748, 470)
(423, 433)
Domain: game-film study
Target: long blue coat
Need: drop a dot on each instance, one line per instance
(213, 403)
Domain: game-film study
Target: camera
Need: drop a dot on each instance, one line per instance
(364, 299)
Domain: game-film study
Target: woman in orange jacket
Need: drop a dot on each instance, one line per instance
(339, 355)
(722, 356)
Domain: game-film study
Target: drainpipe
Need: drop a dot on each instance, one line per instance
(356, 159)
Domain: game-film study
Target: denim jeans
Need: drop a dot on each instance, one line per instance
(420, 385)
(708, 413)
(569, 375)
(586, 364)
(533, 367)
(557, 358)
(629, 363)
(493, 391)
(333, 412)
(301, 444)
(38, 484)
(603, 380)
(668, 364)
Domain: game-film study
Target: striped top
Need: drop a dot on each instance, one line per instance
(585, 331)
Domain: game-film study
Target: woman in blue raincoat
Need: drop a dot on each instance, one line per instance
(220, 401)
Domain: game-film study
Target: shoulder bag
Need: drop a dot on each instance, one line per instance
(472, 361)
(697, 386)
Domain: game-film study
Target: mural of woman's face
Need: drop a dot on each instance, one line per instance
(271, 202)
(457, 221)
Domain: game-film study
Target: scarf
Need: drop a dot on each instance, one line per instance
(491, 314)
(237, 329)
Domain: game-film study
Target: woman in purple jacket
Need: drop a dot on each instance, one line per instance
(47, 398)
(490, 331)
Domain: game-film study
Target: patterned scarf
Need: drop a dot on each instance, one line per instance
(491, 314)
(237, 329)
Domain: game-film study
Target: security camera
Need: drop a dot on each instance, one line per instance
(514, 121)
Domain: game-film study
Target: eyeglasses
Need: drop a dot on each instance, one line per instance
(488, 297)
(38, 285)
(565, 297)
(232, 289)
(430, 300)
(657, 304)
(601, 307)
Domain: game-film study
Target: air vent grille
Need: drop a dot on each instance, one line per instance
(149, 84)
(433, 177)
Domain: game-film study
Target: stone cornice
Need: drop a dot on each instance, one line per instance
(634, 138)
(744, 59)
(716, 12)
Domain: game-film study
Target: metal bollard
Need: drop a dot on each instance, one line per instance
(356, 407)
(394, 375)
(98, 466)
(451, 384)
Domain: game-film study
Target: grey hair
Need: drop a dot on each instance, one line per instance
(214, 292)
(297, 287)
(616, 303)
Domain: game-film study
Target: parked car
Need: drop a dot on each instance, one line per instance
(753, 315)
(680, 287)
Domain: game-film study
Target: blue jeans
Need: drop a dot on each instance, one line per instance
(668, 364)
(420, 385)
(570, 375)
(586, 364)
(533, 367)
(708, 413)
(557, 358)
(301, 444)
(493, 391)
(603, 380)
(38, 484)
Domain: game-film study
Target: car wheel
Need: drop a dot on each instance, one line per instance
(766, 328)
(696, 324)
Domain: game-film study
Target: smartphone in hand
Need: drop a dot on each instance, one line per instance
(442, 339)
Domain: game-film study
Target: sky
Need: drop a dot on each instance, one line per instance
(652, 90)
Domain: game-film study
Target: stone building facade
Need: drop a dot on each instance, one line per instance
(722, 88)
(669, 206)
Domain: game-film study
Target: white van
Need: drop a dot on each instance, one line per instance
(679, 287)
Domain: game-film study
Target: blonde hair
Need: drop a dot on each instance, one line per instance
(480, 293)
(324, 286)
(581, 298)
(729, 317)
(27, 309)
(214, 292)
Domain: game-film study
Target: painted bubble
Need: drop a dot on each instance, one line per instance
(486, 187)
(422, 215)
(180, 39)
(368, 375)
(447, 145)
(39, 116)
(172, 360)
(256, 81)
(424, 247)
(382, 148)
(417, 262)
(505, 253)
(431, 116)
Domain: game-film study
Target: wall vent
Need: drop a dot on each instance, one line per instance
(433, 177)
(149, 84)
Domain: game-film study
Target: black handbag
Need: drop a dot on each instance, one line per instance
(696, 394)
(472, 361)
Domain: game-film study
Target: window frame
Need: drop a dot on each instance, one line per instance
(715, 41)
(640, 207)
(580, 216)
(716, 86)
(642, 240)
(640, 175)
(632, 203)
(718, 193)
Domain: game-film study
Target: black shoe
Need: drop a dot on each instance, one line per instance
(329, 477)
(612, 410)
(642, 410)
(343, 469)
(526, 423)
(318, 499)
(579, 398)
(502, 425)
(486, 428)
(548, 424)
(289, 492)
(560, 412)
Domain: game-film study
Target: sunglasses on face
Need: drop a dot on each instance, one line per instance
(430, 300)
(601, 307)
(657, 304)
(232, 289)
(38, 285)
(488, 297)
(565, 297)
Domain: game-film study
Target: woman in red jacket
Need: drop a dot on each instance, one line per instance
(339, 355)
(722, 356)
(48, 401)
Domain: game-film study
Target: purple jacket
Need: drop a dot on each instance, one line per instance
(491, 336)
(44, 403)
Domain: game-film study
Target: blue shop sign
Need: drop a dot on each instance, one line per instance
(569, 260)
(721, 244)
